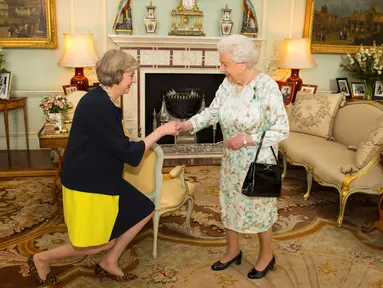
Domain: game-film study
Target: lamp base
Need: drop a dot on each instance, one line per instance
(294, 78)
(79, 80)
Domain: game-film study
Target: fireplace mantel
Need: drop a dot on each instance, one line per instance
(130, 41)
(164, 54)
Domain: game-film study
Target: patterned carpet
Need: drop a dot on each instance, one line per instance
(311, 251)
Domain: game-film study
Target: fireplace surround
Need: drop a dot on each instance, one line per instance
(164, 56)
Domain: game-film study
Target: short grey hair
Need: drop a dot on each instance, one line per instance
(112, 66)
(240, 48)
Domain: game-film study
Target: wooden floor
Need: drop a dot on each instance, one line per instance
(20, 162)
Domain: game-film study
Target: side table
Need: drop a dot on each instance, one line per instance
(55, 142)
(14, 103)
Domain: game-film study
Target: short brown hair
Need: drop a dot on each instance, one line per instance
(113, 64)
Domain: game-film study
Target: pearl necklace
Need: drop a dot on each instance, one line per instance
(105, 88)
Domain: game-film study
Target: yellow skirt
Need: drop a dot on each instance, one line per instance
(90, 217)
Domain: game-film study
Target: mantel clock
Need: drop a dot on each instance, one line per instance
(187, 19)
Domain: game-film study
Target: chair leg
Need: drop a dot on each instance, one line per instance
(156, 223)
(188, 215)
(309, 182)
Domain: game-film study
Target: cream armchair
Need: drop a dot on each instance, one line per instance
(168, 192)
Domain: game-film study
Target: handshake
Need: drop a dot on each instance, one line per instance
(173, 127)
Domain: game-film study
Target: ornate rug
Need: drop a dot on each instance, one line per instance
(311, 250)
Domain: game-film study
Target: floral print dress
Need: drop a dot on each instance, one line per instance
(258, 107)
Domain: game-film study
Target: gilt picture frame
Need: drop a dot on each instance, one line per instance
(335, 29)
(29, 24)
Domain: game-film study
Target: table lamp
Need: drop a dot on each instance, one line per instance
(296, 55)
(78, 53)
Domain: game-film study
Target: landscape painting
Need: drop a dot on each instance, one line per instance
(341, 26)
(28, 23)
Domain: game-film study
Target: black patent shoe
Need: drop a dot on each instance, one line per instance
(218, 266)
(255, 274)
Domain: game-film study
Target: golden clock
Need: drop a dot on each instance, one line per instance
(187, 19)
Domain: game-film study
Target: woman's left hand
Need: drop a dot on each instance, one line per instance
(235, 142)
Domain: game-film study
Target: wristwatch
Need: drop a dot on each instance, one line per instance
(244, 141)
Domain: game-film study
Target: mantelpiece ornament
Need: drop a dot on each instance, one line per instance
(187, 19)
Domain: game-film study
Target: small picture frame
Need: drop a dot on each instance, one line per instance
(357, 90)
(5, 85)
(378, 90)
(287, 89)
(309, 88)
(343, 87)
(69, 89)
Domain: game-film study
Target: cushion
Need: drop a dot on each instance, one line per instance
(314, 113)
(353, 121)
(318, 153)
(142, 176)
(172, 193)
(370, 145)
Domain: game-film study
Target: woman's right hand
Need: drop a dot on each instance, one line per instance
(170, 128)
(184, 126)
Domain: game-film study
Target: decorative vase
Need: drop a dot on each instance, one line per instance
(56, 120)
(226, 23)
(150, 20)
(369, 84)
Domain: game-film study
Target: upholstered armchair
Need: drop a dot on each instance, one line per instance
(168, 192)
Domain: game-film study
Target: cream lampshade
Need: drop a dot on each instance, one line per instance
(296, 55)
(78, 53)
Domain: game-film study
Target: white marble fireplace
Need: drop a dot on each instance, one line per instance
(164, 55)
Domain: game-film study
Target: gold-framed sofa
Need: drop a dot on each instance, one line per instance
(346, 155)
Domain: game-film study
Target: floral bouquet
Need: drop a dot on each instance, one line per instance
(366, 64)
(55, 104)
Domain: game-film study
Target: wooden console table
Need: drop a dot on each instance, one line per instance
(14, 103)
(55, 142)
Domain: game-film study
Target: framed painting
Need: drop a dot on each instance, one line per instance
(341, 26)
(28, 24)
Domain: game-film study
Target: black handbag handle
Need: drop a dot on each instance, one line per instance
(260, 146)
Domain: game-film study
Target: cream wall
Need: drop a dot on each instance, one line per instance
(35, 71)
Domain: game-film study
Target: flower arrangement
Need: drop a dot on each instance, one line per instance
(366, 62)
(367, 65)
(55, 104)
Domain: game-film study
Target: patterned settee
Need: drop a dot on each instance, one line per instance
(338, 143)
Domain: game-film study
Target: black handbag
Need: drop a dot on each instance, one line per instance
(263, 180)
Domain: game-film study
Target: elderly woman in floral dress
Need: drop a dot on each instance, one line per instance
(247, 103)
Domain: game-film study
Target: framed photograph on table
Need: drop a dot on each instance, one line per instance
(5, 85)
(343, 87)
(69, 89)
(378, 90)
(312, 89)
(287, 89)
(357, 90)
